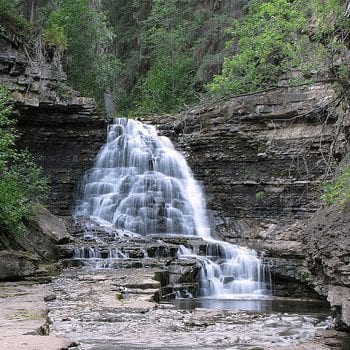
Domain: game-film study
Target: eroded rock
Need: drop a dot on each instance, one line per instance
(15, 265)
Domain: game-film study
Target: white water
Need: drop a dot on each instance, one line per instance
(142, 184)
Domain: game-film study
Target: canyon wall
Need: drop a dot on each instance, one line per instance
(61, 129)
(263, 159)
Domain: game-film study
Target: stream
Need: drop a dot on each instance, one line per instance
(91, 309)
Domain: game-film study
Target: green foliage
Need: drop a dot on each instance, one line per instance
(277, 36)
(166, 86)
(338, 191)
(54, 32)
(303, 275)
(21, 181)
(11, 16)
(260, 195)
(169, 50)
(82, 29)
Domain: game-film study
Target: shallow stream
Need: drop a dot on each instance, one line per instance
(96, 309)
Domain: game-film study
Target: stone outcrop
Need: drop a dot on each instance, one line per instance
(14, 264)
(61, 129)
(45, 233)
(261, 157)
(33, 253)
(327, 248)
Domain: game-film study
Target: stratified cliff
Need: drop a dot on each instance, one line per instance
(262, 159)
(61, 129)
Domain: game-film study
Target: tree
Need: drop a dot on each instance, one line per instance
(81, 27)
(168, 49)
(277, 36)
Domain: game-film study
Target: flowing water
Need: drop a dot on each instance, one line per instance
(140, 183)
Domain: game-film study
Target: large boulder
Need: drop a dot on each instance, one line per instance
(46, 231)
(15, 265)
(51, 226)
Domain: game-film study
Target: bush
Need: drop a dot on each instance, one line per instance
(11, 16)
(277, 36)
(21, 181)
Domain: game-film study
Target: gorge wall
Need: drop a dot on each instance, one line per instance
(262, 160)
(261, 157)
(61, 129)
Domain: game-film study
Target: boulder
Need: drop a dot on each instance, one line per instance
(50, 226)
(46, 231)
(15, 265)
(340, 296)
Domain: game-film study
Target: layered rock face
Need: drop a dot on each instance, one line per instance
(327, 249)
(261, 157)
(62, 130)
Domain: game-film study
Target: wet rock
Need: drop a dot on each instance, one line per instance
(50, 297)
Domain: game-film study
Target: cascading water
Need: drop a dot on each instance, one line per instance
(142, 184)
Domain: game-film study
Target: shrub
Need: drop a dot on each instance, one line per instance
(338, 190)
(277, 36)
(21, 181)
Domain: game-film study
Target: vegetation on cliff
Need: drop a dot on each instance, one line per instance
(160, 56)
(277, 37)
(338, 190)
(21, 181)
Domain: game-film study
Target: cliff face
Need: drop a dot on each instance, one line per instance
(61, 129)
(261, 157)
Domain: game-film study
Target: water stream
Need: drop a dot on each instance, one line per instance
(140, 183)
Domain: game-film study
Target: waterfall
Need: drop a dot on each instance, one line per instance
(142, 184)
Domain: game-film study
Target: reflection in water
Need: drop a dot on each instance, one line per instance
(311, 307)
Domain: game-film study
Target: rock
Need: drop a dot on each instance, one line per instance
(45, 232)
(340, 296)
(62, 130)
(260, 158)
(50, 297)
(16, 265)
(51, 226)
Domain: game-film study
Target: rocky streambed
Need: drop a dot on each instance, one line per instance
(129, 304)
(104, 309)
(114, 309)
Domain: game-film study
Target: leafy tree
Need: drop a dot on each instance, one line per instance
(81, 27)
(11, 14)
(169, 49)
(21, 181)
(277, 36)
